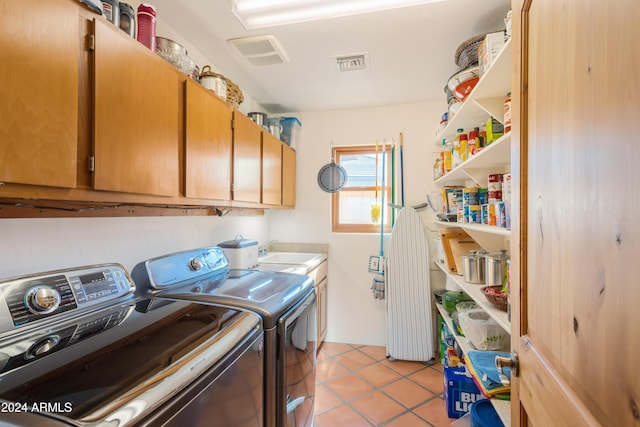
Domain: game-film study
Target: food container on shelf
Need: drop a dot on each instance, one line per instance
(483, 414)
(496, 297)
(213, 81)
(473, 266)
(111, 11)
(496, 268)
(128, 19)
(463, 306)
(451, 298)
(241, 253)
(290, 131)
(483, 331)
(259, 118)
(275, 127)
(437, 295)
(146, 28)
(174, 53)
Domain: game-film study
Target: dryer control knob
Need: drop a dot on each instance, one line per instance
(195, 264)
(42, 299)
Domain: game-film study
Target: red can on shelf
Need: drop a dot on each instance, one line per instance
(147, 25)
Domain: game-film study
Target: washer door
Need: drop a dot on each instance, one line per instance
(297, 337)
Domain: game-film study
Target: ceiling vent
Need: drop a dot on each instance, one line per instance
(357, 61)
(260, 50)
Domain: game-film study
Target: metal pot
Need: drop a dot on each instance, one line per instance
(496, 268)
(259, 118)
(473, 266)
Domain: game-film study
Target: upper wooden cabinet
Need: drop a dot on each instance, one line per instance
(271, 169)
(90, 115)
(247, 170)
(207, 144)
(137, 117)
(288, 176)
(40, 44)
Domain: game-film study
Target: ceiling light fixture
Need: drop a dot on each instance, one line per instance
(270, 13)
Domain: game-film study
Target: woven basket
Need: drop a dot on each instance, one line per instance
(234, 94)
(467, 53)
(498, 301)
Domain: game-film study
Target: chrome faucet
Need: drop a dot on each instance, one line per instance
(263, 250)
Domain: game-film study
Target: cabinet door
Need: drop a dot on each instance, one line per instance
(136, 117)
(271, 169)
(246, 159)
(40, 45)
(321, 297)
(577, 303)
(288, 176)
(207, 144)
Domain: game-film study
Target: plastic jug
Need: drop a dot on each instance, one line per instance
(147, 25)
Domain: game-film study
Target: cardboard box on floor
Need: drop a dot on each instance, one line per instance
(459, 391)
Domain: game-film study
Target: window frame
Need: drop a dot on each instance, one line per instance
(336, 226)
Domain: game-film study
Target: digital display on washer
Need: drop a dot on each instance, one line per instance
(92, 278)
(96, 283)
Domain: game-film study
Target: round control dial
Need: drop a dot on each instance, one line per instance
(42, 299)
(195, 264)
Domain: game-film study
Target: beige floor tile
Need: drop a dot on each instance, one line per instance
(334, 348)
(377, 374)
(404, 367)
(408, 420)
(349, 386)
(374, 351)
(434, 412)
(354, 359)
(407, 392)
(430, 379)
(328, 369)
(358, 386)
(377, 407)
(342, 416)
(325, 399)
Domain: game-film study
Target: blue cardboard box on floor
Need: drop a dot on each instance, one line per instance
(459, 391)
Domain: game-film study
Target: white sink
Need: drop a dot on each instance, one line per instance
(297, 258)
(286, 268)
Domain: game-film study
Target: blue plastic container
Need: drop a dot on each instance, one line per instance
(290, 131)
(483, 414)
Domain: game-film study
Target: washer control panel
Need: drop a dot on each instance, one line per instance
(35, 297)
(44, 341)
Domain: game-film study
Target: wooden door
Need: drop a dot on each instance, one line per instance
(247, 170)
(271, 169)
(288, 176)
(137, 117)
(40, 45)
(577, 309)
(207, 144)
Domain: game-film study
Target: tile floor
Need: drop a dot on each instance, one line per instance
(357, 386)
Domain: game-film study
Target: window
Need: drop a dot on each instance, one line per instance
(352, 206)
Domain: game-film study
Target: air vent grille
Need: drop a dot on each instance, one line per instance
(352, 62)
(260, 50)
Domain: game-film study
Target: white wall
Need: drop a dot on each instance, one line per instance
(353, 315)
(37, 245)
